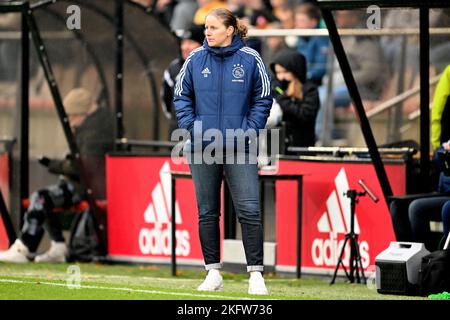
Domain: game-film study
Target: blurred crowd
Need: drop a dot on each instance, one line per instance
(377, 62)
(383, 66)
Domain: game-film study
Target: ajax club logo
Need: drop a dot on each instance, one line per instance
(238, 71)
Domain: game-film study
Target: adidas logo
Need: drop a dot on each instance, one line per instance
(334, 221)
(158, 211)
(206, 72)
(338, 207)
(157, 241)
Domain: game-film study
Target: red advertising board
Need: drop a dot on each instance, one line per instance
(139, 200)
(138, 194)
(4, 187)
(326, 213)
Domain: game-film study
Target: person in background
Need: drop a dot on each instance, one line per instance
(94, 135)
(255, 13)
(297, 97)
(424, 210)
(315, 49)
(204, 7)
(286, 17)
(183, 14)
(411, 218)
(190, 39)
(272, 45)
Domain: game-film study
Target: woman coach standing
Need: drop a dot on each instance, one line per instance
(224, 85)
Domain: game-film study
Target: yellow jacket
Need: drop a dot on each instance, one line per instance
(200, 14)
(440, 97)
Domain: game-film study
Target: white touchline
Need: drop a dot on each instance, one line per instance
(88, 276)
(127, 289)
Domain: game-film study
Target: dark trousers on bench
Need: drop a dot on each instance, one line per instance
(40, 216)
(411, 218)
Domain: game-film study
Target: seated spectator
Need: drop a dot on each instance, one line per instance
(315, 49)
(93, 131)
(287, 19)
(422, 211)
(297, 97)
(255, 13)
(205, 6)
(411, 219)
(272, 45)
(411, 216)
(183, 14)
(277, 8)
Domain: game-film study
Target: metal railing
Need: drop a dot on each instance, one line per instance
(343, 32)
(400, 98)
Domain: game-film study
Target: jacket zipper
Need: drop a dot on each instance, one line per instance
(221, 96)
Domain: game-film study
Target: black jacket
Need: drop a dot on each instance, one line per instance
(94, 138)
(167, 89)
(298, 115)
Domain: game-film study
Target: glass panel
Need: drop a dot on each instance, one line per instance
(10, 39)
(10, 25)
(150, 48)
(383, 67)
(87, 58)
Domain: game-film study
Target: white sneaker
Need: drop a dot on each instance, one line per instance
(212, 282)
(17, 253)
(56, 253)
(256, 284)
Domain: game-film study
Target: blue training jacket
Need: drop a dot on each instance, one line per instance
(224, 88)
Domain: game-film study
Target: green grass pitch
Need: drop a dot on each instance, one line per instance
(136, 282)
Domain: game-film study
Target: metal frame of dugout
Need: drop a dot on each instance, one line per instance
(20, 173)
(327, 6)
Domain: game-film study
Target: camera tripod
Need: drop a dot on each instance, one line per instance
(355, 258)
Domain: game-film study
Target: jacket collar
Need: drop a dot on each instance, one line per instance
(235, 45)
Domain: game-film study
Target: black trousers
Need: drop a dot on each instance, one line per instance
(40, 216)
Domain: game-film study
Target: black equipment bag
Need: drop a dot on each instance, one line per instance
(434, 273)
(84, 240)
